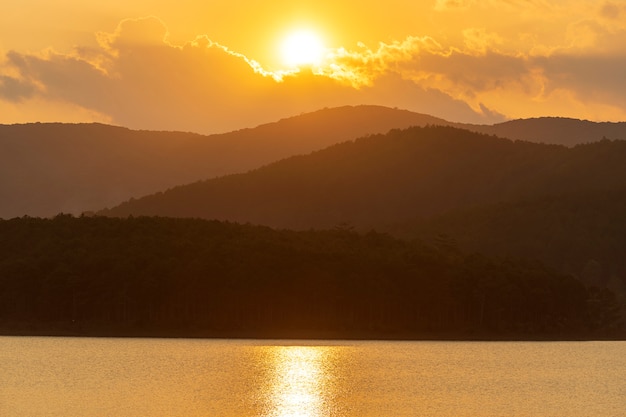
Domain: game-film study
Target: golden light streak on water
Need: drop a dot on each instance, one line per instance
(298, 383)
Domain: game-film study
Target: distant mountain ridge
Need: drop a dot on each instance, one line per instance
(47, 168)
(555, 130)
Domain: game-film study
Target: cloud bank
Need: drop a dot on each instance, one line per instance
(135, 77)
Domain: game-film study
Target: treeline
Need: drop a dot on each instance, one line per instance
(152, 276)
(582, 234)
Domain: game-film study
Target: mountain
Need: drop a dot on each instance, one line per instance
(554, 130)
(563, 206)
(50, 168)
(379, 180)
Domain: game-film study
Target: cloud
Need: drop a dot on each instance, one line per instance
(14, 89)
(461, 74)
(479, 41)
(363, 66)
(613, 11)
(590, 78)
(494, 82)
(134, 32)
(137, 78)
(42, 110)
(611, 17)
(464, 5)
(453, 5)
(140, 80)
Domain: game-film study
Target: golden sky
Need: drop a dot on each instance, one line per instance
(217, 66)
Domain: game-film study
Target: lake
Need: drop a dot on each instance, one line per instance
(50, 376)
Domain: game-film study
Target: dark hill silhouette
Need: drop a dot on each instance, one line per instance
(383, 179)
(555, 130)
(49, 168)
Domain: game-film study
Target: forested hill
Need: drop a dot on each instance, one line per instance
(580, 233)
(49, 168)
(380, 180)
(185, 277)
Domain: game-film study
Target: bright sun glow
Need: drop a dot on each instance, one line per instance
(302, 48)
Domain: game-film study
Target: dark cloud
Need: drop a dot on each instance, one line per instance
(65, 78)
(15, 90)
(591, 78)
(393, 91)
(612, 10)
(474, 73)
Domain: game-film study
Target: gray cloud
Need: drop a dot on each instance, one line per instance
(612, 10)
(591, 78)
(15, 90)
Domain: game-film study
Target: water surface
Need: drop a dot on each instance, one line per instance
(224, 378)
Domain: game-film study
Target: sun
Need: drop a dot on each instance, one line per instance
(302, 48)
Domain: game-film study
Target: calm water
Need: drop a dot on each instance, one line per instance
(159, 377)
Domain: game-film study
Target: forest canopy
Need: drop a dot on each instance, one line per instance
(150, 276)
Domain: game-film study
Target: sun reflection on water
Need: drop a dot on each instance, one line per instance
(298, 383)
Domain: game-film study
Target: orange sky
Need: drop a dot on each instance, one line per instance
(206, 67)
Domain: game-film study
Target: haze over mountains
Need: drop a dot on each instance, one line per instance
(52, 168)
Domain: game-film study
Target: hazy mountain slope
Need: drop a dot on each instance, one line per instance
(383, 179)
(51, 168)
(555, 130)
(48, 168)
